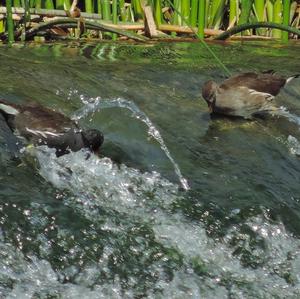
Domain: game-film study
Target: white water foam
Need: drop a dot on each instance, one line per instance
(102, 182)
(282, 111)
(146, 198)
(294, 145)
(99, 182)
(35, 278)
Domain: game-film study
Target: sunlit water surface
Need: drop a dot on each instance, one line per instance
(180, 205)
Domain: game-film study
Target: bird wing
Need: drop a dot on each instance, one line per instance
(264, 82)
(42, 119)
(243, 101)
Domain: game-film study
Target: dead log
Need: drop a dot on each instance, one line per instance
(150, 26)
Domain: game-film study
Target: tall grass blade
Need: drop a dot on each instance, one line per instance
(185, 10)
(201, 19)
(89, 6)
(207, 13)
(177, 16)
(286, 19)
(67, 4)
(157, 12)
(122, 10)
(114, 16)
(17, 3)
(99, 7)
(106, 10)
(106, 13)
(194, 13)
(2, 27)
(137, 7)
(259, 6)
(246, 6)
(260, 9)
(48, 4)
(217, 12)
(60, 4)
(27, 11)
(10, 22)
(270, 8)
(38, 4)
(277, 17)
(233, 8)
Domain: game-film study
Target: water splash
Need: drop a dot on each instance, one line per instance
(294, 145)
(98, 103)
(282, 111)
(102, 183)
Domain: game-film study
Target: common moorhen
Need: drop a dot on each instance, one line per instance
(43, 126)
(245, 94)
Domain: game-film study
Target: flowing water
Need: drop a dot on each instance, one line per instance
(179, 205)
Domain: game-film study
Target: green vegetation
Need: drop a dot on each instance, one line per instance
(10, 25)
(199, 15)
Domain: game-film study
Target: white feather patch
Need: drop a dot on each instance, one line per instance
(290, 79)
(43, 133)
(263, 94)
(8, 109)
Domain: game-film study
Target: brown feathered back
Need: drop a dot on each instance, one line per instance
(265, 82)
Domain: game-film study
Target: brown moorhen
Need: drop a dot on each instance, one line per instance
(245, 94)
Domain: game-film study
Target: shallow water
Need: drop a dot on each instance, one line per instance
(123, 226)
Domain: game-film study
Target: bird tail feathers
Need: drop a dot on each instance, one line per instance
(292, 77)
(7, 109)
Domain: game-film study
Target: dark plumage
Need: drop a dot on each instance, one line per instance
(245, 94)
(42, 126)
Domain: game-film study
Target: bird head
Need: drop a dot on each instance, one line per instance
(209, 91)
(93, 139)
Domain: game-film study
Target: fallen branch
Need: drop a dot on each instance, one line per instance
(49, 12)
(240, 28)
(186, 29)
(72, 23)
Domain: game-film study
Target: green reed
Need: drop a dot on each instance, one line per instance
(48, 4)
(89, 6)
(59, 4)
(201, 19)
(286, 18)
(137, 9)
(157, 12)
(277, 17)
(185, 10)
(114, 16)
(214, 14)
(194, 13)
(10, 22)
(233, 8)
(217, 12)
(259, 7)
